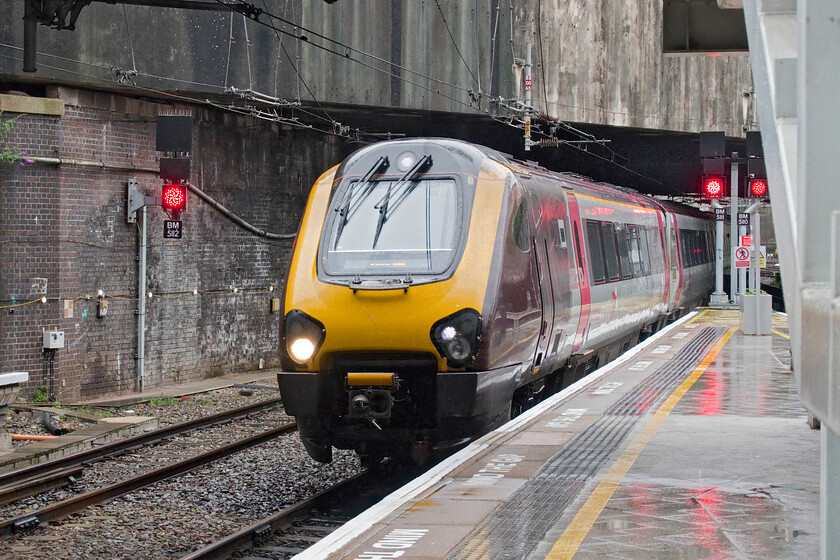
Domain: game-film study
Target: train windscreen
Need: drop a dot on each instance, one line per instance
(393, 227)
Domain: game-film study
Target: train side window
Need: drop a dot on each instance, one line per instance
(694, 246)
(684, 248)
(635, 255)
(596, 251)
(645, 250)
(610, 251)
(520, 230)
(699, 251)
(578, 254)
(623, 251)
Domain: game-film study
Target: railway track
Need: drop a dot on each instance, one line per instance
(294, 529)
(60, 510)
(36, 479)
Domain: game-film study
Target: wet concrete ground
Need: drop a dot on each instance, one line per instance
(732, 473)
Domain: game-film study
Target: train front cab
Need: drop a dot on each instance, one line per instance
(385, 342)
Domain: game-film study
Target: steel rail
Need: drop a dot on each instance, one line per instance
(38, 485)
(254, 534)
(76, 504)
(33, 473)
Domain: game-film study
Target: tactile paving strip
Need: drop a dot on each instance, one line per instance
(516, 527)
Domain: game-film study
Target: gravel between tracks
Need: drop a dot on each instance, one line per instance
(173, 517)
(176, 516)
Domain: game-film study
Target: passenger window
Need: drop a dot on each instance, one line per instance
(623, 251)
(610, 251)
(521, 231)
(684, 249)
(596, 252)
(578, 254)
(645, 250)
(635, 255)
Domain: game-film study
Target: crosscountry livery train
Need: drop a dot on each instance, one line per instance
(438, 288)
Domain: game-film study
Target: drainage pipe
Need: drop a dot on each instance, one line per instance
(142, 216)
(85, 163)
(31, 437)
(236, 219)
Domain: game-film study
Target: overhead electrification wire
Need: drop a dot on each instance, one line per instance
(542, 54)
(455, 44)
(297, 71)
(230, 47)
(346, 55)
(247, 51)
(249, 9)
(130, 42)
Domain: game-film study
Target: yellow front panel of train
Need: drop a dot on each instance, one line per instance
(393, 320)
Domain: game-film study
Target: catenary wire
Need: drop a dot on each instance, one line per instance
(455, 44)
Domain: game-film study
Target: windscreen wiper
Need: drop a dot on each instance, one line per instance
(345, 211)
(382, 205)
(408, 189)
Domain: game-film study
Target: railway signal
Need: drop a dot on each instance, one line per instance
(757, 188)
(714, 186)
(173, 198)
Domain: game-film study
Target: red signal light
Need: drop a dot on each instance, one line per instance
(758, 188)
(713, 186)
(174, 197)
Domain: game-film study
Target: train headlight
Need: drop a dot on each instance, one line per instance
(304, 336)
(456, 337)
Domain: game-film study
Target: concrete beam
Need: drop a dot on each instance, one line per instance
(31, 105)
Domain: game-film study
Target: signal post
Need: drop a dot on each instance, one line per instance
(714, 187)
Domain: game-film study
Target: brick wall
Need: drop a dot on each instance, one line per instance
(64, 235)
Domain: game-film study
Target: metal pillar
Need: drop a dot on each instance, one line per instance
(141, 301)
(528, 110)
(719, 296)
(829, 494)
(796, 85)
(755, 235)
(733, 229)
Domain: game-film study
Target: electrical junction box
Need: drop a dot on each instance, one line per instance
(53, 339)
(274, 305)
(101, 308)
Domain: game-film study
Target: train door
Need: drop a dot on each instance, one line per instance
(558, 245)
(579, 273)
(540, 245)
(674, 266)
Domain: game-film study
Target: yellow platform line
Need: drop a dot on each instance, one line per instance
(698, 316)
(568, 543)
(780, 333)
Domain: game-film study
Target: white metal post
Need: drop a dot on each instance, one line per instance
(719, 296)
(528, 83)
(755, 229)
(733, 228)
(141, 301)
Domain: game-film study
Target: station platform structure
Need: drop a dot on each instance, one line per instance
(691, 445)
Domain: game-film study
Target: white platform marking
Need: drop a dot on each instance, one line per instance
(566, 417)
(640, 366)
(607, 388)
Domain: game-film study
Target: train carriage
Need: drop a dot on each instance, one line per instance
(437, 288)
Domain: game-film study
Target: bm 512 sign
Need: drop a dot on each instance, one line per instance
(172, 229)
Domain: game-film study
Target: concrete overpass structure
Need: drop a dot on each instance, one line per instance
(637, 73)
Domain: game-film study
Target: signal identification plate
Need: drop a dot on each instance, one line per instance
(172, 229)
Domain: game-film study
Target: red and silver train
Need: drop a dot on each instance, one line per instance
(438, 287)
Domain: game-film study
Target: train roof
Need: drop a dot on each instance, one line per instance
(685, 209)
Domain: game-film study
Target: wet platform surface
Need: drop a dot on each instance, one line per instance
(691, 446)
